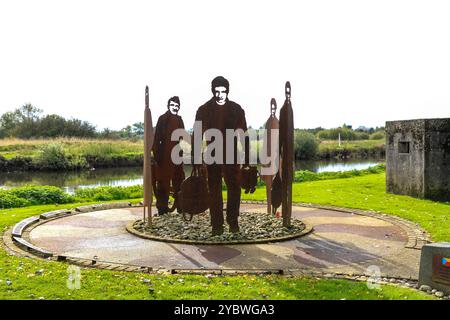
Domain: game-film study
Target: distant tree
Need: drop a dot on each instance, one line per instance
(23, 122)
(306, 145)
(52, 126)
(107, 133)
(8, 123)
(138, 129)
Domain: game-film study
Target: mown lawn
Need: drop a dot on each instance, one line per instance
(23, 278)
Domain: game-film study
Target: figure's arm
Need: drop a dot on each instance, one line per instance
(157, 141)
(196, 131)
(246, 141)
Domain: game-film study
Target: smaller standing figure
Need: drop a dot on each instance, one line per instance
(272, 126)
(167, 175)
(287, 155)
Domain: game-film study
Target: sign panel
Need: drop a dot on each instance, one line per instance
(441, 269)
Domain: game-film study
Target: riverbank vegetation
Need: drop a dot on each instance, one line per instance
(68, 154)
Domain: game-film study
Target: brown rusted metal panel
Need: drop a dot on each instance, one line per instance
(148, 143)
(193, 196)
(168, 176)
(272, 124)
(286, 139)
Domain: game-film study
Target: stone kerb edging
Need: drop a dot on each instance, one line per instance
(130, 228)
(18, 235)
(102, 206)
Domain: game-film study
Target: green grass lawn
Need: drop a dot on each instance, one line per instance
(365, 192)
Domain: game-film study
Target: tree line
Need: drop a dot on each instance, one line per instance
(29, 122)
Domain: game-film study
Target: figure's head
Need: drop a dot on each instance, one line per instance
(173, 105)
(287, 90)
(220, 88)
(273, 106)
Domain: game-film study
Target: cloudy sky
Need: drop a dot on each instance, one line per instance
(358, 62)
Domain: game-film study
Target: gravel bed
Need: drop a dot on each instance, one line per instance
(253, 226)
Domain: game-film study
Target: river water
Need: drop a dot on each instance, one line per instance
(70, 181)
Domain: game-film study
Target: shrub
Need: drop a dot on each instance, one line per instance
(107, 193)
(8, 200)
(377, 135)
(306, 145)
(346, 134)
(53, 156)
(42, 195)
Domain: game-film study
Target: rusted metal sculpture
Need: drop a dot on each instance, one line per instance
(221, 113)
(148, 143)
(286, 139)
(193, 196)
(168, 176)
(272, 126)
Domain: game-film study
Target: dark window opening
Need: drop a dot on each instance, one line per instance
(403, 147)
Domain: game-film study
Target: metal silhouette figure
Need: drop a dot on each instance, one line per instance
(272, 124)
(148, 143)
(221, 113)
(286, 144)
(167, 175)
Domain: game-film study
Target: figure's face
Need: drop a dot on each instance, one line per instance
(220, 93)
(174, 107)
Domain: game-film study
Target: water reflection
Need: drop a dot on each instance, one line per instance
(70, 181)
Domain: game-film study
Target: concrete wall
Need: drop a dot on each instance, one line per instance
(405, 171)
(437, 159)
(424, 171)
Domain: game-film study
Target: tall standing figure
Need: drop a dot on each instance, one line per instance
(272, 126)
(168, 176)
(222, 114)
(287, 155)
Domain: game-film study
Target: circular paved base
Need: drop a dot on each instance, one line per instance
(341, 242)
